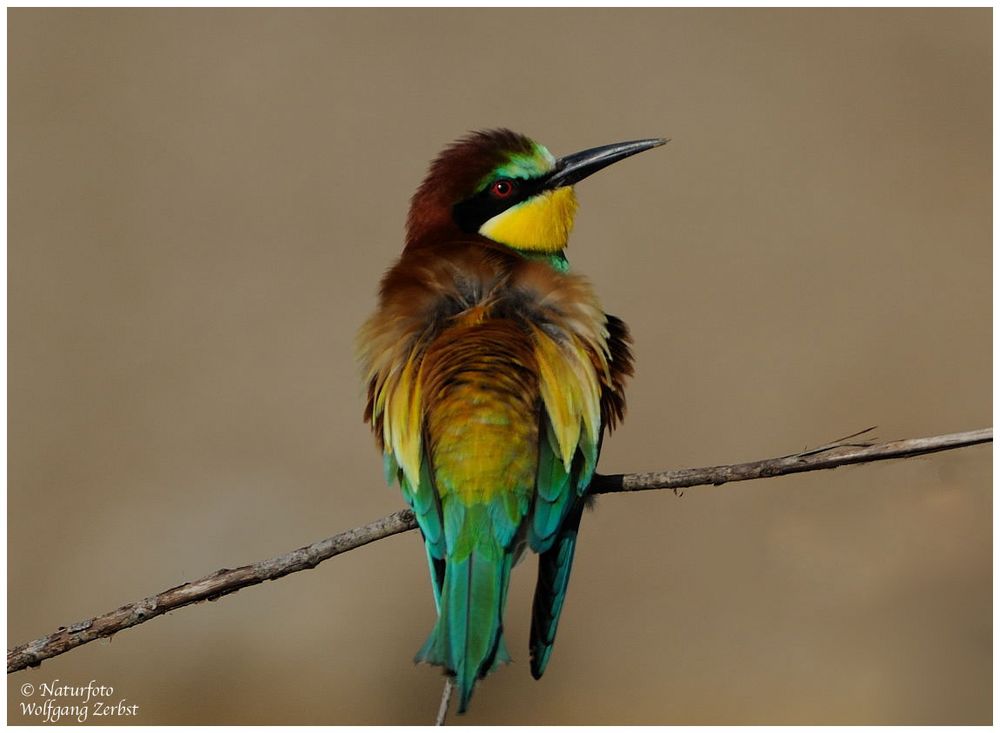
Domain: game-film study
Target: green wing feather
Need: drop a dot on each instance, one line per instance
(554, 566)
(559, 503)
(552, 495)
(556, 548)
(425, 504)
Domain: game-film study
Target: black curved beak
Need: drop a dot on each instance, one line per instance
(573, 168)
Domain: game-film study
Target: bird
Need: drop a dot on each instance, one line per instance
(492, 374)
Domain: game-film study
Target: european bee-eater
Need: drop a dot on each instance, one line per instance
(492, 374)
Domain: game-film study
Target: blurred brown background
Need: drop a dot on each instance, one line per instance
(201, 203)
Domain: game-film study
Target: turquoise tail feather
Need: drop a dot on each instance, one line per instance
(467, 639)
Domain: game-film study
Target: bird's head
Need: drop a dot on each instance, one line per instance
(507, 188)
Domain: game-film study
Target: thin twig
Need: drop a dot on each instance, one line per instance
(223, 582)
(442, 715)
(839, 443)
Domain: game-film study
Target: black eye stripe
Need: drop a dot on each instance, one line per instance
(476, 210)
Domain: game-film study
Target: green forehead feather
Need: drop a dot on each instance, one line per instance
(523, 165)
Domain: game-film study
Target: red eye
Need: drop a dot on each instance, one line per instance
(502, 189)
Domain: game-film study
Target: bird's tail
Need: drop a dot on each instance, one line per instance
(468, 637)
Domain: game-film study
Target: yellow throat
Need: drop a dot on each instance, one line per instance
(539, 224)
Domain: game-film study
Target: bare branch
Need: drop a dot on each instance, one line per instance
(223, 582)
(209, 588)
(828, 456)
